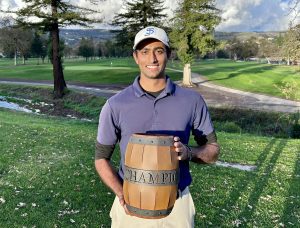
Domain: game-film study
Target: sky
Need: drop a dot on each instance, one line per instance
(237, 15)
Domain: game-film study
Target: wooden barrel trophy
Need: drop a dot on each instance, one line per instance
(150, 175)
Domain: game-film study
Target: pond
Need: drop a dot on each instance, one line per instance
(10, 105)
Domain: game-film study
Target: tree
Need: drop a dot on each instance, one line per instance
(235, 48)
(15, 41)
(61, 49)
(270, 49)
(68, 51)
(39, 46)
(101, 49)
(193, 31)
(86, 48)
(294, 9)
(137, 14)
(24, 44)
(249, 48)
(291, 46)
(49, 15)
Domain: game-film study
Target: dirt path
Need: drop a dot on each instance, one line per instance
(214, 95)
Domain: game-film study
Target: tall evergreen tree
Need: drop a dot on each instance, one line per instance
(193, 31)
(137, 15)
(49, 15)
(86, 48)
(38, 46)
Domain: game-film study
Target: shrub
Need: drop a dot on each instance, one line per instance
(230, 127)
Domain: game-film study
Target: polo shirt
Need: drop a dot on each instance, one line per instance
(176, 111)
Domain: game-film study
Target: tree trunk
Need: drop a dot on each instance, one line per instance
(15, 57)
(59, 81)
(187, 75)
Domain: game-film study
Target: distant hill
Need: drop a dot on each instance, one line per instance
(73, 36)
(246, 35)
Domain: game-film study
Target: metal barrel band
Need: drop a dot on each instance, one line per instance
(152, 141)
(148, 213)
(151, 177)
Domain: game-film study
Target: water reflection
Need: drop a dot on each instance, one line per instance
(11, 105)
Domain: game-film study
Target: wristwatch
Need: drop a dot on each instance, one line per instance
(190, 155)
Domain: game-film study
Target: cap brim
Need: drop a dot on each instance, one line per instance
(146, 38)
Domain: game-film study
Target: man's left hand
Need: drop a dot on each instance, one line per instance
(181, 149)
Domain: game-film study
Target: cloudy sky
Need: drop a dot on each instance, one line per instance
(237, 15)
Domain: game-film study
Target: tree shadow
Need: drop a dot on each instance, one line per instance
(243, 182)
(236, 71)
(291, 212)
(261, 181)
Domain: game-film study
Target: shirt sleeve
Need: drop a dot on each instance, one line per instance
(103, 151)
(206, 139)
(108, 132)
(202, 125)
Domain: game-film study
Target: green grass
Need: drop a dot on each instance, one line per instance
(88, 106)
(251, 76)
(103, 71)
(281, 81)
(47, 163)
(267, 197)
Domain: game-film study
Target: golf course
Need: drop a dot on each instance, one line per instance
(47, 174)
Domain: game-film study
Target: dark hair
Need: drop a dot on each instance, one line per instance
(168, 49)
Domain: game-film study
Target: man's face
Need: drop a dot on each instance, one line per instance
(151, 56)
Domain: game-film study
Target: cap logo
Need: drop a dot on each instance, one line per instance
(149, 31)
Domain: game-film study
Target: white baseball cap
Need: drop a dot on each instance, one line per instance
(151, 32)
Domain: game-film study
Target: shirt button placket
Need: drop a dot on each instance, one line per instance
(155, 116)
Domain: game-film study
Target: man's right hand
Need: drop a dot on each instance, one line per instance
(123, 204)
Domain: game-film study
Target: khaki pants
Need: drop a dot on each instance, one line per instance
(182, 215)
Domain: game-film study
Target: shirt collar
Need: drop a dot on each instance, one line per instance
(138, 91)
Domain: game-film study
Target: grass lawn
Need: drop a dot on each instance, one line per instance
(47, 178)
(281, 81)
(104, 71)
(252, 77)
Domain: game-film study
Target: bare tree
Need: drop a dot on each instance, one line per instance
(291, 47)
(294, 10)
(14, 39)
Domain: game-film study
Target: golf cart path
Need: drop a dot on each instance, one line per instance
(214, 95)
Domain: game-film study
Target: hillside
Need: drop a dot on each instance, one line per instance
(246, 35)
(73, 36)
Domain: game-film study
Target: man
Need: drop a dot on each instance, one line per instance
(154, 104)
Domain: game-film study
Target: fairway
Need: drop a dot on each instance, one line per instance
(275, 80)
(253, 77)
(101, 71)
(47, 178)
(91, 68)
